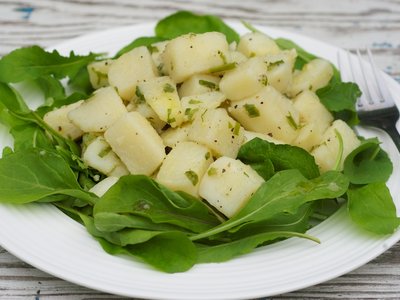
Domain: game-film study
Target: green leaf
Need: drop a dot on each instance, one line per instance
(139, 195)
(368, 163)
(183, 22)
(285, 192)
(141, 41)
(340, 98)
(11, 100)
(33, 62)
(32, 175)
(372, 208)
(260, 153)
(227, 251)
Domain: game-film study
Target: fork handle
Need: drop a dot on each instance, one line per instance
(394, 134)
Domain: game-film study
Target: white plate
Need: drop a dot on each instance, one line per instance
(47, 239)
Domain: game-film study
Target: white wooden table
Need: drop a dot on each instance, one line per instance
(347, 24)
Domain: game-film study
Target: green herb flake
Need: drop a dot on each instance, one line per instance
(236, 129)
(292, 122)
(272, 65)
(104, 152)
(252, 110)
(152, 49)
(192, 176)
(194, 101)
(223, 57)
(222, 68)
(212, 172)
(207, 155)
(168, 88)
(169, 119)
(140, 96)
(189, 112)
(209, 84)
(263, 79)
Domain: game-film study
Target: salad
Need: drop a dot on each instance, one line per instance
(195, 145)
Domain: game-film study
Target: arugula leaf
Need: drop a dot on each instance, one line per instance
(340, 98)
(32, 175)
(372, 208)
(33, 62)
(260, 154)
(183, 22)
(368, 163)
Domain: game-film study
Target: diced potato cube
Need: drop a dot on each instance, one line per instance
(98, 155)
(130, 69)
(199, 84)
(268, 112)
(311, 110)
(136, 143)
(315, 75)
(156, 51)
(193, 105)
(249, 135)
(184, 167)
(257, 44)
(98, 112)
(59, 121)
(236, 57)
(103, 186)
(310, 135)
(98, 73)
(194, 53)
(332, 152)
(174, 136)
(245, 80)
(161, 94)
(218, 131)
(279, 69)
(228, 184)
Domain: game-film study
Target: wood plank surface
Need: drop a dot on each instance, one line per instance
(349, 24)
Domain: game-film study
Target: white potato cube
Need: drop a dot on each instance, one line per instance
(136, 143)
(59, 121)
(279, 69)
(311, 110)
(315, 75)
(103, 186)
(228, 184)
(98, 73)
(174, 136)
(331, 153)
(249, 135)
(215, 129)
(268, 112)
(310, 135)
(130, 69)
(161, 94)
(194, 53)
(257, 44)
(193, 105)
(184, 167)
(98, 112)
(245, 80)
(99, 155)
(199, 84)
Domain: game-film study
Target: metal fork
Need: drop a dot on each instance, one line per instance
(376, 106)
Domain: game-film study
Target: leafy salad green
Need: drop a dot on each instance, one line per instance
(169, 230)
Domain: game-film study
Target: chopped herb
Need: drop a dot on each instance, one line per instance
(168, 88)
(189, 112)
(192, 176)
(209, 84)
(100, 76)
(160, 68)
(222, 68)
(169, 119)
(236, 130)
(252, 110)
(194, 101)
(152, 49)
(245, 174)
(207, 156)
(263, 79)
(104, 152)
(139, 95)
(202, 115)
(223, 57)
(292, 122)
(212, 172)
(272, 65)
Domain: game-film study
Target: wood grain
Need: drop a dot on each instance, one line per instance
(348, 24)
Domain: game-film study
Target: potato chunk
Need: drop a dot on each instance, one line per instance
(193, 105)
(184, 167)
(59, 121)
(161, 94)
(257, 44)
(315, 75)
(98, 155)
(194, 53)
(98, 112)
(228, 184)
(136, 143)
(130, 69)
(98, 73)
(218, 131)
(199, 84)
(268, 112)
(173, 136)
(331, 153)
(103, 186)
